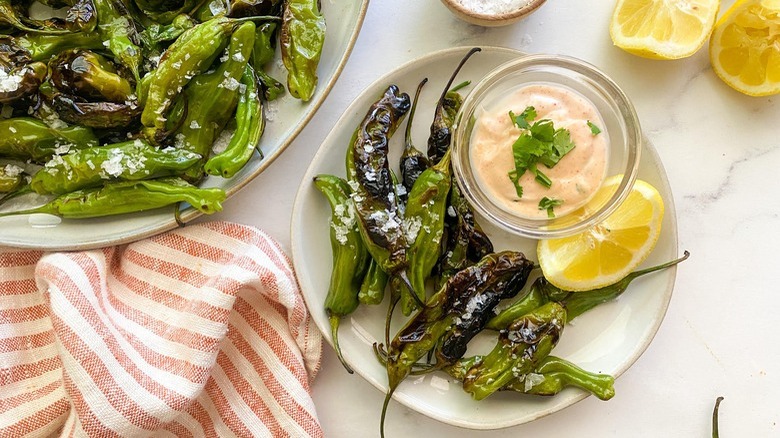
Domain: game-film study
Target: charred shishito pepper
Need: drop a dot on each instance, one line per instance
(461, 307)
(28, 78)
(26, 138)
(520, 348)
(413, 162)
(373, 191)
(350, 257)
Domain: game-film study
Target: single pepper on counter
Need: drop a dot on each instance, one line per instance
(249, 128)
(520, 349)
(302, 38)
(211, 99)
(463, 304)
(26, 138)
(129, 197)
(350, 257)
(369, 175)
(127, 161)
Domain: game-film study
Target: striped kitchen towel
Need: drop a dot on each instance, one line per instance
(201, 331)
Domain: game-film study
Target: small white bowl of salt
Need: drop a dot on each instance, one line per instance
(492, 13)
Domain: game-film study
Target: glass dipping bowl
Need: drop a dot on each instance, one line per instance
(620, 123)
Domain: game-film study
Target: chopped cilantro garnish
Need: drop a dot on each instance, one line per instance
(541, 143)
(593, 128)
(548, 204)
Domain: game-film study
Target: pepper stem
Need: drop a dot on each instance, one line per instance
(334, 330)
(405, 280)
(459, 86)
(715, 433)
(408, 134)
(384, 412)
(662, 266)
(455, 73)
(390, 309)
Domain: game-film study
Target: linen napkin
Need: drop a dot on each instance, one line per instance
(201, 331)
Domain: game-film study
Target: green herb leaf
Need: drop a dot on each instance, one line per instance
(515, 178)
(543, 130)
(524, 119)
(542, 178)
(593, 128)
(548, 204)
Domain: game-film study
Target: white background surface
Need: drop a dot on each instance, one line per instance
(721, 153)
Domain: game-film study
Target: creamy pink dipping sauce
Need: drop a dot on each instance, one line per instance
(575, 178)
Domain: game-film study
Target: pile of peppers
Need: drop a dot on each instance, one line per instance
(119, 106)
(417, 232)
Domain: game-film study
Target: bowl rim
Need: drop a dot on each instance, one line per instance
(546, 228)
(527, 8)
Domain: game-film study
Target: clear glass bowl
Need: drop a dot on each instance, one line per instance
(620, 123)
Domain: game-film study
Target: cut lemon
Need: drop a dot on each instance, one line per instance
(662, 29)
(745, 47)
(609, 251)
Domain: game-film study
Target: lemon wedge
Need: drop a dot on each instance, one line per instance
(662, 29)
(607, 252)
(745, 47)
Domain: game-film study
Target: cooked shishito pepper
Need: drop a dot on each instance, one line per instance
(11, 16)
(350, 257)
(10, 178)
(550, 376)
(576, 303)
(89, 75)
(302, 38)
(372, 291)
(129, 197)
(464, 303)
(249, 128)
(117, 27)
(413, 162)
(262, 55)
(128, 161)
(43, 47)
(520, 348)
(190, 55)
(27, 138)
(212, 97)
(368, 173)
(31, 77)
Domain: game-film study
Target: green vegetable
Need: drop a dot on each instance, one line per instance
(249, 128)
(372, 291)
(302, 38)
(350, 258)
(539, 143)
(10, 178)
(548, 204)
(129, 197)
(117, 27)
(27, 138)
(593, 128)
(128, 161)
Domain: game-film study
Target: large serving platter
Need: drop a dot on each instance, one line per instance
(286, 118)
(608, 339)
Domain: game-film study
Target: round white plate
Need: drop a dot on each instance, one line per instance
(286, 118)
(608, 339)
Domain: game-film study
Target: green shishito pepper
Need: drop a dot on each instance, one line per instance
(190, 55)
(550, 376)
(129, 197)
(302, 38)
(212, 97)
(424, 220)
(372, 291)
(413, 162)
(117, 28)
(454, 315)
(520, 348)
(27, 138)
(262, 55)
(128, 161)
(10, 15)
(10, 178)
(249, 128)
(576, 303)
(350, 258)
(369, 176)
(43, 47)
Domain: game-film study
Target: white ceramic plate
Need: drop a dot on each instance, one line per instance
(608, 339)
(287, 117)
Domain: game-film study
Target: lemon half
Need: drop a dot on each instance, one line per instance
(663, 29)
(745, 47)
(607, 252)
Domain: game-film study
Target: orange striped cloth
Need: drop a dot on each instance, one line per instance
(198, 332)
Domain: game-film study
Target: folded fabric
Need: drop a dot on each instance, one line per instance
(201, 331)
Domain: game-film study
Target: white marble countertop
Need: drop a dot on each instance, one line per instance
(716, 145)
